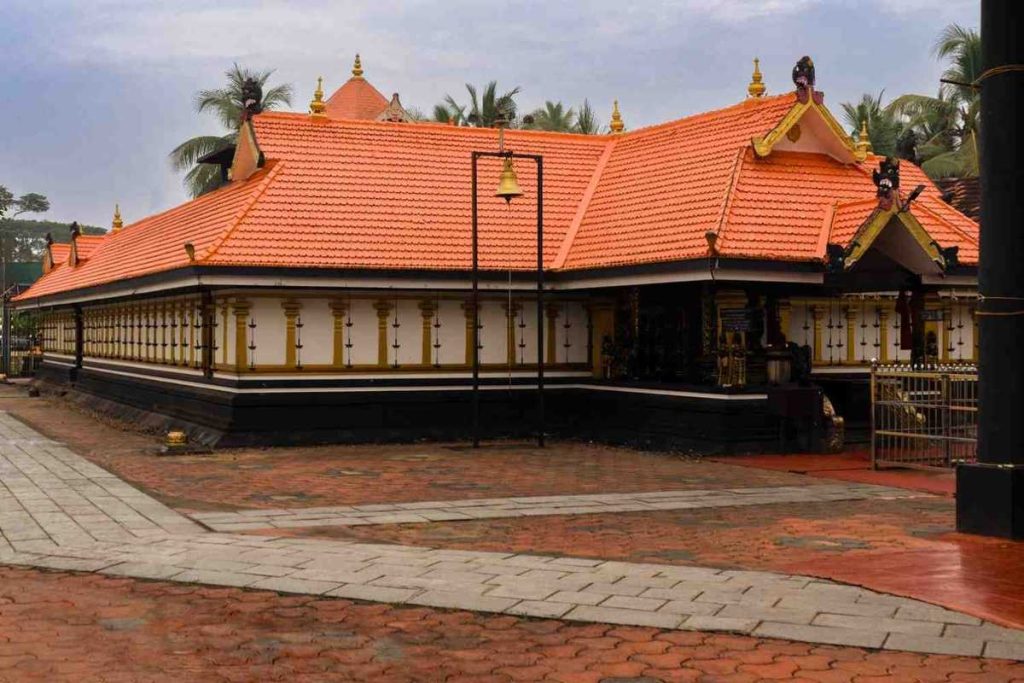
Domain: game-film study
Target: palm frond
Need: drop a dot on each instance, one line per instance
(188, 153)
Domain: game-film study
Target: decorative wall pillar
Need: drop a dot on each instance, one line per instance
(973, 308)
(339, 312)
(471, 338)
(428, 307)
(818, 314)
(292, 309)
(383, 309)
(851, 334)
(947, 329)
(883, 333)
(785, 309)
(602, 327)
(225, 327)
(510, 329)
(551, 334)
(241, 309)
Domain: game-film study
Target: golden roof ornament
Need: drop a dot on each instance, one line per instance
(317, 107)
(616, 125)
(117, 223)
(756, 87)
(357, 68)
(863, 139)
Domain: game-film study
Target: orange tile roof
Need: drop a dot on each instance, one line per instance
(356, 99)
(374, 195)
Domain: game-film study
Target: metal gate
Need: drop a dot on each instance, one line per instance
(924, 416)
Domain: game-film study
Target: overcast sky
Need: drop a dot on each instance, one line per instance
(95, 93)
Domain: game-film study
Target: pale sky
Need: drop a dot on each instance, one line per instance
(96, 93)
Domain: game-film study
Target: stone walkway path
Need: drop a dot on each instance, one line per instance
(58, 511)
(532, 506)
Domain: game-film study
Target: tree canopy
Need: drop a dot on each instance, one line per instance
(227, 104)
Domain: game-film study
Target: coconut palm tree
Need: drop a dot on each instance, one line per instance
(226, 104)
(947, 125)
(553, 116)
(586, 120)
(884, 126)
(482, 111)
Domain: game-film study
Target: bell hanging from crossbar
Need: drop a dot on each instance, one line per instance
(508, 185)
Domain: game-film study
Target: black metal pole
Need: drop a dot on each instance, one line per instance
(476, 318)
(990, 493)
(540, 301)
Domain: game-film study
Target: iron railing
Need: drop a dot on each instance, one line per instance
(923, 416)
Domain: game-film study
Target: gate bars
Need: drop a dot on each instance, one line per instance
(923, 417)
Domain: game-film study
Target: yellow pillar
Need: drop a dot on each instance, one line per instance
(883, 333)
(467, 309)
(851, 334)
(818, 313)
(551, 336)
(428, 307)
(947, 323)
(241, 309)
(510, 329)
(224, 332)
(291, 314)
(339, 312)
(383, 309)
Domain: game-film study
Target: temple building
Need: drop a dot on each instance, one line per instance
(692, 269)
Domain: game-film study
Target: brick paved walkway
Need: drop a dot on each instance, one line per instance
(534, 506)
(87, 628)
(54, 502)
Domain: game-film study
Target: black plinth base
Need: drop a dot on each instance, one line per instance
(990, 500)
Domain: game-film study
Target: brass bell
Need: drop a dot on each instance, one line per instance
(508, 185)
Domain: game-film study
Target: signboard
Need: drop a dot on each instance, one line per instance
(932, 315)
(735, 319)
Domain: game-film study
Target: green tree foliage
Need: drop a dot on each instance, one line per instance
(24, 240)
(553, 116)
(482, 110)
(227, 105)
(586, 120)
(884, 126)
(946, 126)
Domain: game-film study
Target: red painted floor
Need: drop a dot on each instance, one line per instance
(976, 575)
(852, 465)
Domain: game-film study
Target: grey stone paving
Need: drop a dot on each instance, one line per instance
(530, 506)
(58, 511)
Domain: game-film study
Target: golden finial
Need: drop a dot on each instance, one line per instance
(317, 106)
(756, 87)
(117, 223)
(616, 125)
(357, 68)
(863, 139)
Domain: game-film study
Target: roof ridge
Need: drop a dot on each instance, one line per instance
(750, 103)
(972, 238)
(723, 216)
(436, 125)
(240, 215)
(581, 208)
(826, 228)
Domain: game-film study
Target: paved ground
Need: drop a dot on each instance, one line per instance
(58, 509)
(84, 628)
(773, 537)
(540, 506)
(80, 528)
